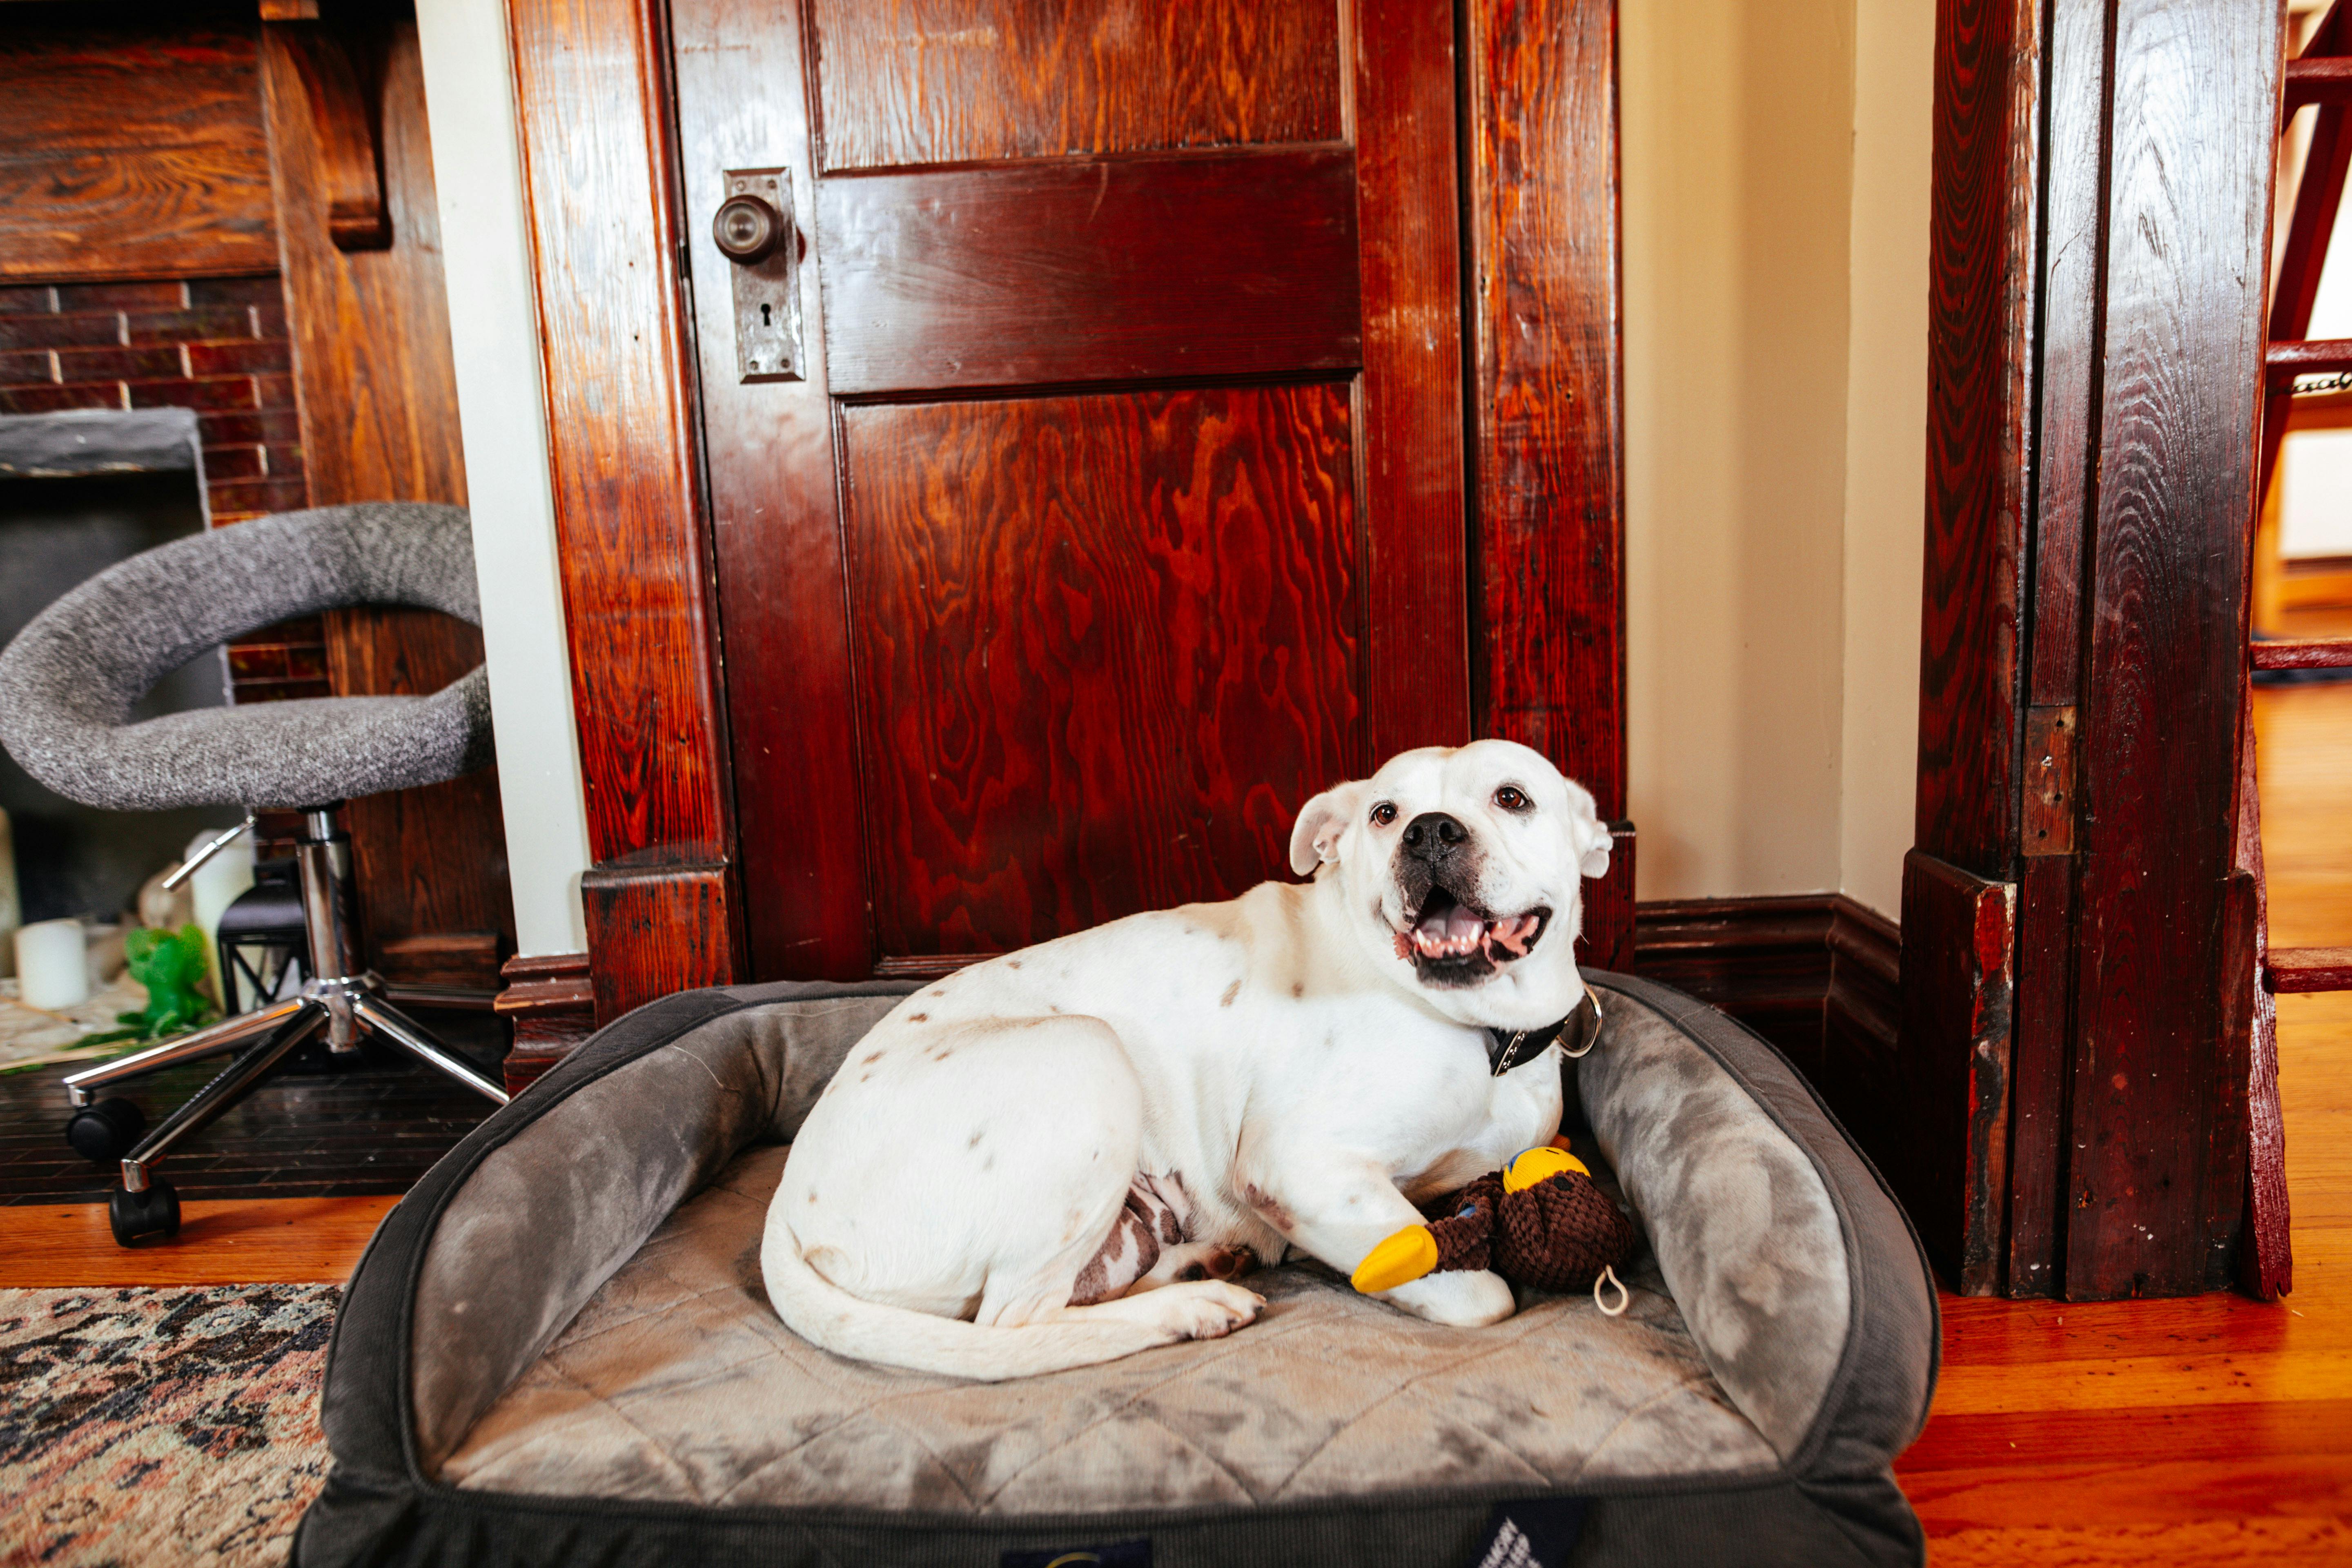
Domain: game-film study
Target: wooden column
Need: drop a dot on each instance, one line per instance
(599, 184)
(360, 240)
(1547, 406)
(2101, 194)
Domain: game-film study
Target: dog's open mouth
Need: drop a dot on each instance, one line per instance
(1448, 940)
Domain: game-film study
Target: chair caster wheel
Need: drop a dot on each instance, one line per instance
(103, 1133)
(136, 1216)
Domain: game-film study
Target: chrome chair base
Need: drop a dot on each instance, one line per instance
(344, 1002)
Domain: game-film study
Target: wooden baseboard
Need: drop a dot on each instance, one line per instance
(549, 1001)
(1815, 974)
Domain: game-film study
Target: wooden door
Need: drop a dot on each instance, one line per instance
(1121, 507)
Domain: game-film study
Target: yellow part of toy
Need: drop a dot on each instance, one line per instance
(1534, 1165)
(1400, 1261)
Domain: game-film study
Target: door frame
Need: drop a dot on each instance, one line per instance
(1544, 433)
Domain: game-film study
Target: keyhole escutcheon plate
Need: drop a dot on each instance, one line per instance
(753, 230)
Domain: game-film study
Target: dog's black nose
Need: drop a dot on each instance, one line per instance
(1433, 834)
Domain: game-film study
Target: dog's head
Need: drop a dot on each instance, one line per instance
(1460, 872)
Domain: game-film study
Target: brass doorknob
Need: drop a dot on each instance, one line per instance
(748, 230)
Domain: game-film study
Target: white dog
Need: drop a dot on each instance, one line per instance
(1033, 1163)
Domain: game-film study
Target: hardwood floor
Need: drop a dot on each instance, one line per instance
(261, 1241)
(2207, 1430)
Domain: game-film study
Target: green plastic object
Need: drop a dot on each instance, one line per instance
(170, 964)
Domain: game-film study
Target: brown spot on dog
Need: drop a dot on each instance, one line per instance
(1298, 988)
(869, 1061)
(940, 993)
(1012, 964)
(1267, 1203)
(977, 1133)
(919, 1017)
(812, 1197)
(1231, 992)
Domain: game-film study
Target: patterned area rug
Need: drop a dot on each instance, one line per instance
(145, 1427)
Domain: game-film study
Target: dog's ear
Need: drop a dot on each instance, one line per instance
(1315, 841)
(1591, 836)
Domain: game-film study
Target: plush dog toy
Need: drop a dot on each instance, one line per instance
(1540, 1221)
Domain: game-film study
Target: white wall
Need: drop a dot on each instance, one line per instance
(1886, 442)
(477, 170)
(1776, 181)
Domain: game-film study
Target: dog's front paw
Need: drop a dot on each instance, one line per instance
(1460, 1299)
(1208, 1308)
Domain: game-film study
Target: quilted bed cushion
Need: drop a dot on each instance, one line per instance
(677, 1382)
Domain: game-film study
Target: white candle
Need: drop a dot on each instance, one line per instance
(52, 965)
(218, 883)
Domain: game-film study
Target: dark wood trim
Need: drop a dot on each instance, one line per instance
(651, 916)
(2156, 1124)
(549, 1001)
(1938, 1124)
(1547, 374)
(2097, 258)
(1416, 490)
(603, 214)
(375, 382)
(1816, 973)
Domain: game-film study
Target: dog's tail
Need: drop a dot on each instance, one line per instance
(824, 1314)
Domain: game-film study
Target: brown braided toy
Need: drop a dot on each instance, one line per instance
(1540, 1223)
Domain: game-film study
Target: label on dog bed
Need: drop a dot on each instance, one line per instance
(1118, 1555)
(1538, 1533)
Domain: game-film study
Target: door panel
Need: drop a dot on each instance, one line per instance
(1122, 509)
(1105, 646)
(950, 81)
(1096, 270)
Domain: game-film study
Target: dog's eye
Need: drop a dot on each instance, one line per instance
(1510, 797)
(1383, 814)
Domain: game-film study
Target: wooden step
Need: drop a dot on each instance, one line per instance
(2316, 82)
(2309, 968)
(2311, 653)
(2283, 362)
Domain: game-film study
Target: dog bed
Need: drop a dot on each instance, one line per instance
(557, 1350)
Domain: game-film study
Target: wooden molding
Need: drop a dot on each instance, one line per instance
(658, 921)
(346, 116)
(1548, 661)
(604, 218)
(375, 382)
(1815, 974)
(1937, 1125)
(552, 1007)
(1608, 939)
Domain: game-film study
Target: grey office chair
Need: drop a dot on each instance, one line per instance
(66, 686)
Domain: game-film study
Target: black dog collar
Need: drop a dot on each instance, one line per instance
(1577, 1034)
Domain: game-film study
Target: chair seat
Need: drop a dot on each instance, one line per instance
(68, 682)
(297, 754)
